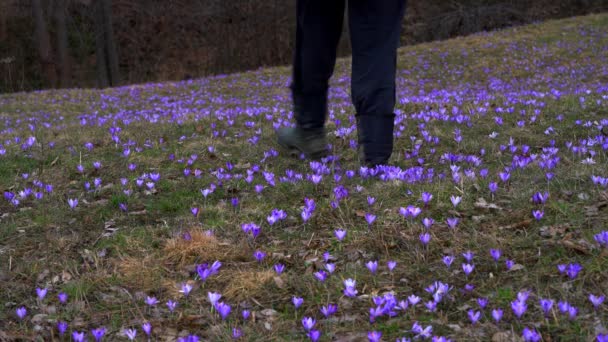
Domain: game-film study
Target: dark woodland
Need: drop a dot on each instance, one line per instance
(101, 43)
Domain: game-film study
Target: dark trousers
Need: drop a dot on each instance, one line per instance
(375, 27)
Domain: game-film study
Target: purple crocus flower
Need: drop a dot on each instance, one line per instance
(509, 263)
(340, 234)
(530, 335)
(350, 288)
(185, 289)
(422, 332)
(504, 176)
(546, 305)
(279, 268)
(540, 198)
(62, 327)
(195, 211)
(428, 222)
(413, 299)
(151, 301)
(213, 297)
(297, 301)
(452, 222)
(538, 214)
(468, 268)
(497, 314)
(259, 255)
(245, 314)
(391, 265)
(21, 312)
(493, 186)
(370, 218)
(308, 323)
(314, 335)
(372, 266)
(78, 336)
(223, 309)
(370, 200)
(455, 200)
(63, 297)
(130, 333)
(572, 312)
(519, 307)
(425, 238)
(237, 333)
(482, 302)
(147, 328)
(468, 256)
(41, 293)
(72, 202)
(171, 305)
(573, 270)
(473, 315)
(448, 260)
(495, 253)
(596, 300)
(98, 333)
(426, 197)
(374, 336)
(602, 238)
(320, 275)
(329, 310)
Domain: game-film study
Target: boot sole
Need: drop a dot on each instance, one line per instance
(295, 152)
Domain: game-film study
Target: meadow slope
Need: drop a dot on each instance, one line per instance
(133, 209)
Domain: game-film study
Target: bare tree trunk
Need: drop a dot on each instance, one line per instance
(111, 54)
(105, 48)
(43, 42)
(63, 55)
(100, 44)
(3, 26)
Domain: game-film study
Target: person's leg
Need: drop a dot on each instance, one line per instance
(375, 28)
(319, 25)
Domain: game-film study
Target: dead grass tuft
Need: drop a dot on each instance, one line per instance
(201, 246)
(246, 284)
(144, 274)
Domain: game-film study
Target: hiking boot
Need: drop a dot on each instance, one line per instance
(375, 137)
(312, 143)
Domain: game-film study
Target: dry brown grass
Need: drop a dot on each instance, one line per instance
(246, 284)
(201, 246)
(144, 274)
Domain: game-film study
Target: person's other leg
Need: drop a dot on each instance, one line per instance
(319, 25)
(375, 28)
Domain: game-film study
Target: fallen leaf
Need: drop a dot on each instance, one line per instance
(582, 245)
(351, 337)
(516, 267)
(553, 231)
(506, 336)
(483, 204)
(518, 225)
(455, 327)
(279, 282)
(268, 312)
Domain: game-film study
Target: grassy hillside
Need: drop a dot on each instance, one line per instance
(123, 198)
